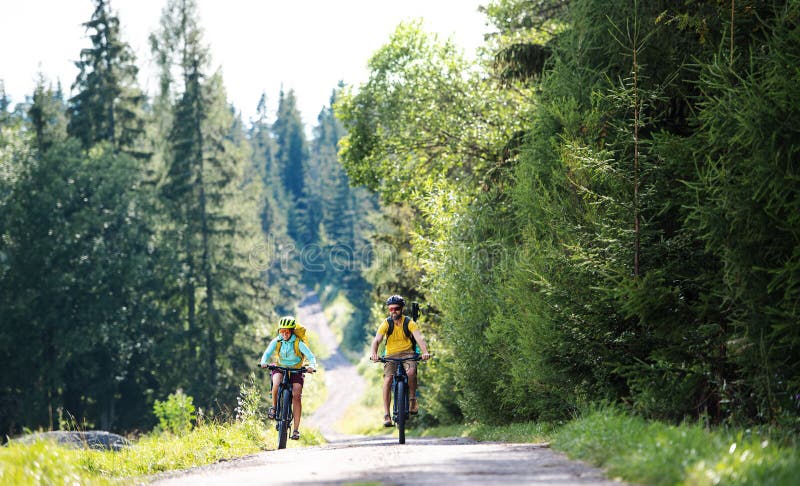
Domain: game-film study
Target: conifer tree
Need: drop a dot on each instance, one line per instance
(280, 271)
(5, 104)
(210, 215)
(292, 166)
(108, 103)
(47, 115)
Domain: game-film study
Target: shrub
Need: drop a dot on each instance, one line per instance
(176, 414)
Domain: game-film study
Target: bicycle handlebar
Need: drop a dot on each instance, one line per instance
(302, 369)
(383, 359)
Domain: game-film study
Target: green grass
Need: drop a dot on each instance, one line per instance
(656, 453)
(651, 452)
(44, 463)
(47, 463)
(520, 432)
(210, 441)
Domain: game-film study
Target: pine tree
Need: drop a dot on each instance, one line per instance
(108, 103)
(292, 160)
(5, 104)
(210, 212)
(282, 274)
(47, 115)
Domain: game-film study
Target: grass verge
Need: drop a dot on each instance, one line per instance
(655, 453)
(47, 463)
(520, 432)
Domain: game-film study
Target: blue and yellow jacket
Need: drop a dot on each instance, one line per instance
(287, 356)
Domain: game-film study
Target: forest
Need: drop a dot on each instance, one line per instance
(149, 244)
(598, 209)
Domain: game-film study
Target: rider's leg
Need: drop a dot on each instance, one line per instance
(387, 393)
(276, 382)
(297, 403)
(412, 382)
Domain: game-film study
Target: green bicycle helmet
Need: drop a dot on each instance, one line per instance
(287, 322)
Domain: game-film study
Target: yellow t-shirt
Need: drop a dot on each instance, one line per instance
(397, 342)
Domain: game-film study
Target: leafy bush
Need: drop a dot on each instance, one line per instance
(176, 414)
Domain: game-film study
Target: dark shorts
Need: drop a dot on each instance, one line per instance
(390, 368)
(298, 378)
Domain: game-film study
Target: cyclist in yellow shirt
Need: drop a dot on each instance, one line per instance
(399, 345)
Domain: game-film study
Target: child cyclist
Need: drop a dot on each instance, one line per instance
(288, 357)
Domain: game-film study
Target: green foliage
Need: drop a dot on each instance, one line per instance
(520, 432)
(291, 159)
(74, 228)
(44, 463)
(211, 225)
(425, 132)
(176, 414)
(658, 453)
(107, 106)
(626, 235)
(746, 208)
(249, 401)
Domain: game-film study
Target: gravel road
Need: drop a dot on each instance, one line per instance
(343, 382)
(381, 460)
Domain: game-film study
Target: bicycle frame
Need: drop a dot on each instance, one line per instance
(400, 398)
(283, 406)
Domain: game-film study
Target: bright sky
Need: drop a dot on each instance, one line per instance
(305, 45)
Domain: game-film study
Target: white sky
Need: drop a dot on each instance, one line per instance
(306, 45)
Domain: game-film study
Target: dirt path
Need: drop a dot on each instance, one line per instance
(381, 460)
(426, 462)
(342, 381)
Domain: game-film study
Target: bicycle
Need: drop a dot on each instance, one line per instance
(283, 408)
(400, 393)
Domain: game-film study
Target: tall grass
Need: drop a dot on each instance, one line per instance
(655, 453)
(44, 462)
(165, 449)
(663, 454)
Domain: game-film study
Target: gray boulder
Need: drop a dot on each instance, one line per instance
(91, 439)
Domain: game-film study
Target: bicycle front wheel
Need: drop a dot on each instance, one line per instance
(285, 418)
(401, 407)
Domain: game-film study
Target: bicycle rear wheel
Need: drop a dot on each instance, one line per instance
(401, 405)
(285, 418)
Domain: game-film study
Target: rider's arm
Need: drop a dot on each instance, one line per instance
(269, 352)
(422, 345)
(312, 360)
(375, 343)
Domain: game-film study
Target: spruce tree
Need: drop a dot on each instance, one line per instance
(47, 115)
(211, 218)
(274, 257)
(108, 103)
(292, 165)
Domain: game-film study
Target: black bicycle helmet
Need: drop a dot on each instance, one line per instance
(397, 300)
